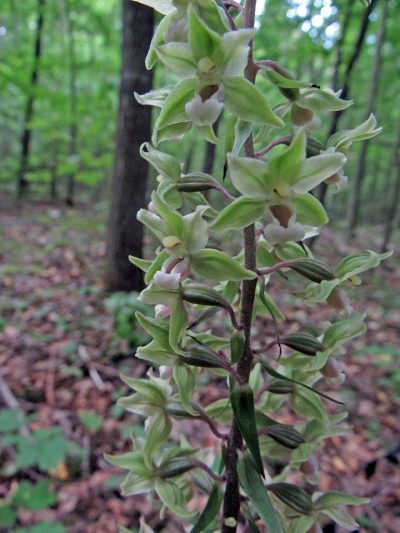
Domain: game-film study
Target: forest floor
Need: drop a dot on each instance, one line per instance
(60, 364)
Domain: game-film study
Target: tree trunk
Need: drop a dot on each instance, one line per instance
(22, 182)
(345, 84)
(125, 233)
(73, 128)
(354, 206)
(391, 209)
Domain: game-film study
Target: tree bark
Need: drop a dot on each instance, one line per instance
(391, 209)
(22, 182)
(73, 127)
(345, 84)
(125, 233)
(354, 206)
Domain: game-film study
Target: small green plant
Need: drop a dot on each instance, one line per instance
(208, 46)
(122, 306)
(44, 448)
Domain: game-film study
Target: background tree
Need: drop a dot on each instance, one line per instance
(125, 233)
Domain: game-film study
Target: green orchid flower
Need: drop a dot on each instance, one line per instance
(277, 192)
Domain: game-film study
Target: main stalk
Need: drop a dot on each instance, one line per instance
(231, 506)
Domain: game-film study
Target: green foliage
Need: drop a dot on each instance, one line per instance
(194, 273)
(122, 306)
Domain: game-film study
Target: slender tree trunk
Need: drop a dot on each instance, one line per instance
(354, 206)
(22, 182)
(345, 84)
(125, 233)
(73, 128)
(391, 209)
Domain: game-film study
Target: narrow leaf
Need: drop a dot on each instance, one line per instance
(210, 510)
(254, 488)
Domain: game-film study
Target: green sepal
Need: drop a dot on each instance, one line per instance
(156, 434)
(173, 498)
(202, 40)
(310, 211)
(171, 131)
(210, 510)
(276, 374)
(343, 139)
(282, 82)
(207, 132)
(168, 192)
(185, 382)
(304, 402)
(242, 132)
(244, 100)
(158, 329)
(242, 400)
(293, 496)
(177, 325)
(218, 266)
(155, 266)
(149, 390)
(175, 409)
(239, 214)
(178, 58)
(254, 488)
(333, 498)
(151, 58)
(321, 100)
(143, 264)
(155, 98)
(165, 164)
(342, 331)
(173, 111)
(342, 518)
(357, 263)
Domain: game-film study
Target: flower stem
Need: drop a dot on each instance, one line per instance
(231, 506)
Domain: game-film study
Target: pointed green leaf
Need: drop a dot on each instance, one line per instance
(162, 6)
(155, 98)
(341, 332)
(202, 40)
(247, 102)
(242, 400)
(173, 498)
(310, 211)
(172, 131)
(254, 488)
(306, 403)
(301, 524)
(185, 382)
(165, 164)
(173, 111)
(357, 263)
(210, 510)
(218, 266)
(177, 325)
(239, 214)
(333, 498)
(143, 264)
(157, 433)
(276, 374)
(158, 329)
(342, 518)
(178, 58)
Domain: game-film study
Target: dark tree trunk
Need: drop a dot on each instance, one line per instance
(22, 182)
(354, 206)
(73, 128)
(125, 233)
(393, 200)
(345, 84)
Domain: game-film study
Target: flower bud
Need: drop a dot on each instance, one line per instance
(310, 469)
(312, 269)
(285, 435)
(293, 496)
(300, 116)
(194, 184)
(303, 343)
(339, 300)
(332, 370)
(162, 311)
(175, 466)
(280, 386)
(199, 355)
